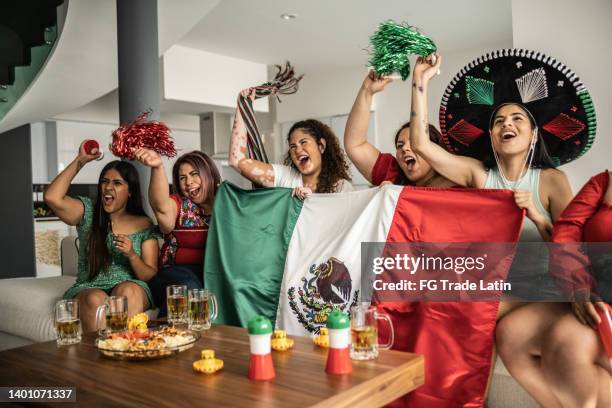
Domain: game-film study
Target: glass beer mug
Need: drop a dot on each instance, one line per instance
(364, 332)
(202, 309)
(67, 322)
(112, 316)
(176, 300)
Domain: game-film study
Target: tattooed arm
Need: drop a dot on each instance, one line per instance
(254, 170)
(462, 170)
(68, 209)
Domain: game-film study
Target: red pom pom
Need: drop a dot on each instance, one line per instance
(152, 135)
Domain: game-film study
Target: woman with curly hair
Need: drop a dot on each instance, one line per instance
(315, 161)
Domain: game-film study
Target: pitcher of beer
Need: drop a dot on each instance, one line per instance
(364, 332)
(112, 316)
(202, 309)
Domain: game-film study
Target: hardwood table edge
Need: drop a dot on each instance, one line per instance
(353, 397)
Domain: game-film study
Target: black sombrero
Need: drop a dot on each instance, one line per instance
(556, 97)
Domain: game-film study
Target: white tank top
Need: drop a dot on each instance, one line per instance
(531, 182)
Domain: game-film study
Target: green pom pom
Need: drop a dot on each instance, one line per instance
(391, 46)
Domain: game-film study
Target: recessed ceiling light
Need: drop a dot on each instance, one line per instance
(288, 16)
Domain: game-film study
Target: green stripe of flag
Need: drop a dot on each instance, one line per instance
(246, 250)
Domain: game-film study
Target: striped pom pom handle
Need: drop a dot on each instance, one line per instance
(285, 82)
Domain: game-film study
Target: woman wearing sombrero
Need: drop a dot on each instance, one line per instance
(507, 120)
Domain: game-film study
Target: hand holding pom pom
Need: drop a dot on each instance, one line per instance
(427, 68)
(148, 157)
(141, 133)
(391, 46)
(374, 84)
(284, 83)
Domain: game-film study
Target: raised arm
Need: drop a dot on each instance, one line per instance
(68, 209)
(254, 170)
(359, 150)
(462, 170)
(159, 192)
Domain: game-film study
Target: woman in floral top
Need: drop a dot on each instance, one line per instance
(117, 242)
(182, 217)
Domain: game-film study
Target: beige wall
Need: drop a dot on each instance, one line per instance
(578, 34)
(393, 105)
(332, 92)
(322, 93)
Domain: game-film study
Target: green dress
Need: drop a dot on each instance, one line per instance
(119, 269)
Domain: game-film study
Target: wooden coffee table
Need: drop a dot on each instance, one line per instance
(300, 376)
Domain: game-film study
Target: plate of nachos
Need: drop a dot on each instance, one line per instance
(142, 343)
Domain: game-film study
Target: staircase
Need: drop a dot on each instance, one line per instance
(28, 31)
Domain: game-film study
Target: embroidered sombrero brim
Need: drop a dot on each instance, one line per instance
(556, 97)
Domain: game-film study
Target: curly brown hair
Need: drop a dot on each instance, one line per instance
(334, 165)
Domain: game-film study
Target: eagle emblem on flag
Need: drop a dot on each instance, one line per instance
(327, 286)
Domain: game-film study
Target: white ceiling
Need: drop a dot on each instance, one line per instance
(327, 34)
(333, 33)
(83, 64)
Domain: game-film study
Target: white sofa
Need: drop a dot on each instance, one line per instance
(26, 317)
(26, 309)
(27, 304)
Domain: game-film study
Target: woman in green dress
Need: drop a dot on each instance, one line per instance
(117, 241)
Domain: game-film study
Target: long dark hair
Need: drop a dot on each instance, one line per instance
(209, 174)
(98, 256)
(434, 136)
(541, 157)
(334, 166)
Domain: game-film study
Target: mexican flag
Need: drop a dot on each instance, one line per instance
(293, 261)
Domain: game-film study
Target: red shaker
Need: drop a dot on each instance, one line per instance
(261, 366)
(338, 356)
(92, 147)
